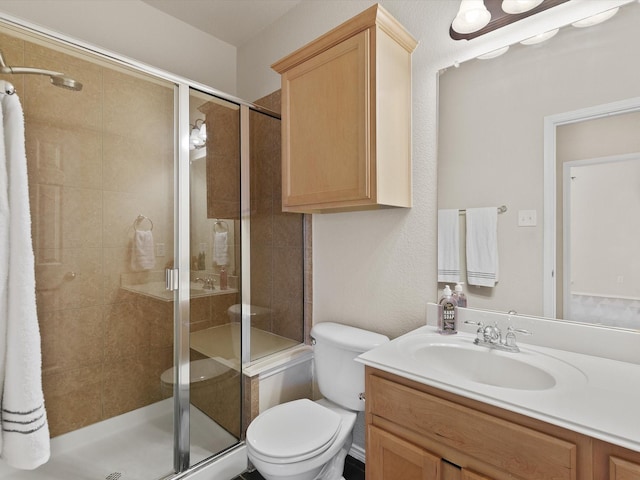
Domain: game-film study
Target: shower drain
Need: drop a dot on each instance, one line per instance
(113, 476)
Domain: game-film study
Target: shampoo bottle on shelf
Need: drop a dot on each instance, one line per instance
(459, 296)
(447, 313)
(223, 278)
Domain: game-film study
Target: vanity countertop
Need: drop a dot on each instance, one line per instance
(600, 401)
(158, 291)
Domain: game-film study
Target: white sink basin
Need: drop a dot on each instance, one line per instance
(458, 358)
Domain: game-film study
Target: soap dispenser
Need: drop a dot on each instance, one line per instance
(459, 296)
(223, 278)
(447, 313)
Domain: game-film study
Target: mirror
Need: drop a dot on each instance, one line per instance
(493, 144)
(213, 228)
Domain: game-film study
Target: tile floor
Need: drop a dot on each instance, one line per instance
(353, 470)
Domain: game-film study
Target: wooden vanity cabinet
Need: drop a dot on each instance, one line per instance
(443, 436)
(346, 118)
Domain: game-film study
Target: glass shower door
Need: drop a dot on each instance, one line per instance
(214, 330)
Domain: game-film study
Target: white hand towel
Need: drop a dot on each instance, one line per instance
(448, 246)
(482, 246)
(25, 432)
(142, 254)
(220, 248)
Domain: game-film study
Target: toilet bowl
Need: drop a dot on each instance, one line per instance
(306, 440)
(200, 372)
(280, 449)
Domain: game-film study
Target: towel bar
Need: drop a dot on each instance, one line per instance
(501, 209)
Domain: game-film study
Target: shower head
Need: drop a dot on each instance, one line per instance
(65, 82)
(58, 79)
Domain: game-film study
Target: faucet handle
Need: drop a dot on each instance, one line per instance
(510, 337)
(510, 329)
(471, 322)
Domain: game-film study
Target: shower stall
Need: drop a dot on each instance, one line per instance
(164, 265)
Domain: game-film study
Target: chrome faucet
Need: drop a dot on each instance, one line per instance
(491, 336)
(207, 283)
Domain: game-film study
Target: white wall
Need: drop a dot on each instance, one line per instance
(377, 269)
(138, 31)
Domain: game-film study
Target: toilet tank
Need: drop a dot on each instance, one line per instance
(340, 378)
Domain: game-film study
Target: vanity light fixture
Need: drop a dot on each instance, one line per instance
(494, 53)
(514, 7)
(472, 16)
(541, 37)
(198, 135)
(496, 11)
(596, 19)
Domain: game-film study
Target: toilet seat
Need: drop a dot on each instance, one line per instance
(293, 431)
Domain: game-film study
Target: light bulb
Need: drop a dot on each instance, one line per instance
(513, 7)
(596, 19)
(494, 53)
(472, 16)
(195, 139)
(542, 37)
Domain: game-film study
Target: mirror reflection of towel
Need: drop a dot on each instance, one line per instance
(220, 249)
(142, 252)
(448, 245)
(482, 246)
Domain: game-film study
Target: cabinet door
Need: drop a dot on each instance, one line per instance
(326, 127)
(468, 475)
(391, 458)
(623, 470)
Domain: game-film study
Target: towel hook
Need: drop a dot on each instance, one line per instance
(141, 218)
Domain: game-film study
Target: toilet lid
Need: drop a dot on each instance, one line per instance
(300, 428)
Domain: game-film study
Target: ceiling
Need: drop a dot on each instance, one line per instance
(232, 21)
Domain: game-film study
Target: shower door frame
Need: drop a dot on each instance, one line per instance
(182, 194)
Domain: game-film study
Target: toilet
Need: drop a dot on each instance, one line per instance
(306, 440)
(201, 372)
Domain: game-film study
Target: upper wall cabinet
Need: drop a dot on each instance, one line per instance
(346, 118)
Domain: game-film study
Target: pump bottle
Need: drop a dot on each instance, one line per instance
(447, 313)
(459, 296)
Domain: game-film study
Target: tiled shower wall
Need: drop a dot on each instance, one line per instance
(97, 159)
(277, 238)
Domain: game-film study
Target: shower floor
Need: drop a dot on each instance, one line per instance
(135, 446)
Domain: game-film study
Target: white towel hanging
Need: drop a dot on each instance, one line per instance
(220, 248)
(25, 432)
(448, 246)
(482, 246)
(143, 255)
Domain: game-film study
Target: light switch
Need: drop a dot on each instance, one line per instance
(527, 218)
(160, 250)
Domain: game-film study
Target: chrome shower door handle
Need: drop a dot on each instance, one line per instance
(171, 278)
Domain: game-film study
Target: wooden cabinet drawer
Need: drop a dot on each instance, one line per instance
(526, 453)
